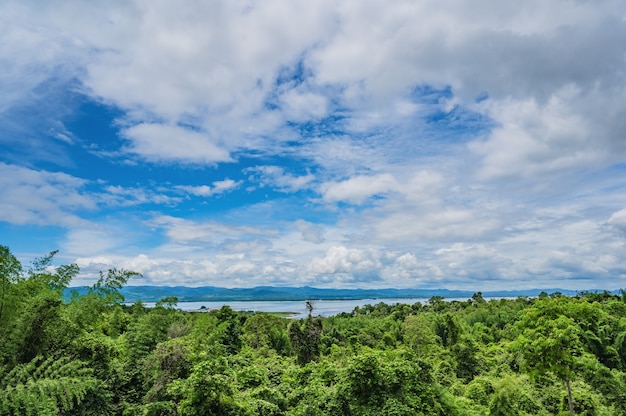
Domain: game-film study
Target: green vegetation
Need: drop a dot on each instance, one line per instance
(92, 355)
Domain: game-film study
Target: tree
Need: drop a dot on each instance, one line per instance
(513, 396)
(467, 364)
(169, 361)
(108, 285)
(31, 307)
(41, 328)
(550, 341)
(10, 274)
(447, 328)
(207, 391)
(45, 387)
(419, 332)
(168, 302)
(437, 303)
(230, 323)
(478, 298)
(305, 336)
(392, 384)
(263, 330)
(43, 273)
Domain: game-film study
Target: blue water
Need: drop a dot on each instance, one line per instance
(298, 308)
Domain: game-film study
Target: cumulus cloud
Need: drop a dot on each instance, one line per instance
(214, 67)
(407, 270)
(359, 188)
(531, 69)
(538, 139)
(159, 142)
(154, 270)
(209, 65)
(419, 186)
(551, 251)
(458, 134)
(341, 259)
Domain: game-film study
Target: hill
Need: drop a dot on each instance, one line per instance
(273, 293)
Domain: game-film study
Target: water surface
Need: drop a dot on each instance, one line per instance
(297, 307)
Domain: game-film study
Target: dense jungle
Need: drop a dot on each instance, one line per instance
(91, 354)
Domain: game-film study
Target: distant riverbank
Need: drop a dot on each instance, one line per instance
(273, 293)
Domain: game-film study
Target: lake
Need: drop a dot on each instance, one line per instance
(298, 307)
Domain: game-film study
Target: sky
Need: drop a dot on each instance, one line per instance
(356, 144)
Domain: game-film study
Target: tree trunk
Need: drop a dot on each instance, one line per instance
(569, 396)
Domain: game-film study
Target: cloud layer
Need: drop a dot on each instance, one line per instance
(361, 143)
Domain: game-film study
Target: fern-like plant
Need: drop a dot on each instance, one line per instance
(44, 387)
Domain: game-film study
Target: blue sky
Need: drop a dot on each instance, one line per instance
(463, 145)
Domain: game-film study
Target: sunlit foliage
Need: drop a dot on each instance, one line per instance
(91, 354)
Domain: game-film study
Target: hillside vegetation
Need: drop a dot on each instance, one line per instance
(92, 355)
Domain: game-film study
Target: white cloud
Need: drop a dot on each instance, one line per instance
(358, 189)
(33, 50)
(340, 259)
(312, 233)
(225, 185)
(444, 224)
(303, 106)
(116, 195)
(461, 188)
(244, 268)
(247, 248)
(540, 249)
(218, 187)
(212, 67)
(538, 139)
(419, 187)
(343, 156)
(188, 231)
(275, 176)
(154, 270)
(30, 196)
(387, 45)
(618, 220)
(159, 142)
(94, 240)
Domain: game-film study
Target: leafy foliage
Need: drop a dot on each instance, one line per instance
(91, 354)
(45, 387)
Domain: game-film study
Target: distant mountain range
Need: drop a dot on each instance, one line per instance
(272, 293)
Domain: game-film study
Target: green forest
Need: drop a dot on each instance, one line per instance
(91, 354)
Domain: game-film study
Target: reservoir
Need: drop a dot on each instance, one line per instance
(298, 307)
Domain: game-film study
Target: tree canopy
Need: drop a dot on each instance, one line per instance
(92, 354)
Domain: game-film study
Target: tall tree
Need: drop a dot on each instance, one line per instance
(305, 336)
(550, 341)
(10, 274)
(418, 331)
